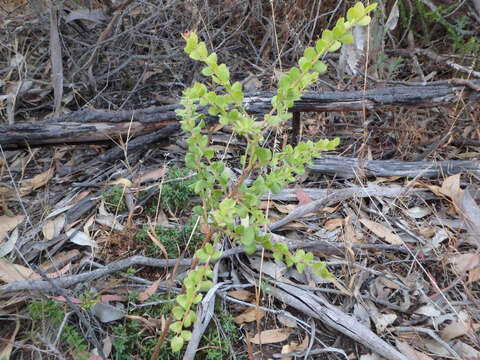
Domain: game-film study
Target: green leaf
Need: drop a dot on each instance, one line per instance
(327, 36)
(186, 335)
(223, 73)
(200, 52)
(321, 45)
(206, 71)
(304, 64)
(176, 326)
(300, 267)
(250, 248)
(278, 256)
(209, 273)
(177, 343)
(209, 153)
(202, 255)
(211, 59)
(320, 67)
(209, 248)
(359, 9)
(192, 42)
(310, 54)
(370, 7)
(288, 261)
(190, 318)
(182, 300)
(335, 46)
(237, 93)
(264, 155)
(216, 255)
(281, 248)
(178, 312)
(299, 255)
(294, 74)
(198, 210)
(275, 188)
(198, 298)
(205, 285)
(364, 21)
(248, 235)
(351, 15)
(347, 38)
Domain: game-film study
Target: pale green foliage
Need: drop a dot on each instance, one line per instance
(221, 204)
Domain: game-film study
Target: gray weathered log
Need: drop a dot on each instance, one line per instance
(348, 168)
(314, 306)
(100, 125)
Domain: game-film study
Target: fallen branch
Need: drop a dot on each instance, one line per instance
(340, 195)
(99, 125)
(68, 281)
(350, 168)
(314, 306)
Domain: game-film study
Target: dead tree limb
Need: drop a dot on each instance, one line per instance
(99, 125)
(349, 168)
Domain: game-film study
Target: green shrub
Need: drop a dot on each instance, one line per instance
(223, 203)
(114, 199)
(173, 239)
(176, 194)
(132, 340)
(50, 312)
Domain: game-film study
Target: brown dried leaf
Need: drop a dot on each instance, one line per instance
(304, 344)
(52, 228)
(464, 262)
(458, 328)
(474, 275)
(302, 197)
(153, 175)
(242, 294)
(59, 260)
(287, 349)
(287, 321)
(332, 224)
(451, 188)
(382, 232)
(12, 272)
(271, 336)
(410, 352)
(36, 182)
(124, 182)
(249, 315)
(144, 295)
(285, 209)
(8, 223)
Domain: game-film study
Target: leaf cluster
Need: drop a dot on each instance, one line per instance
(231, 207)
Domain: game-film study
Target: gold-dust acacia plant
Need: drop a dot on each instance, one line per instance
(231, 209)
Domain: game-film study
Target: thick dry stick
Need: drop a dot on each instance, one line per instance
(67, 281)
(349, 168)
(100, 125)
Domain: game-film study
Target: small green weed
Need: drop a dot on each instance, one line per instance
(457, 31)
(114, 199)
(392, 68)
(132, 340)
(50, 313)
(172, 239)
(177, 194)
(218, 340)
